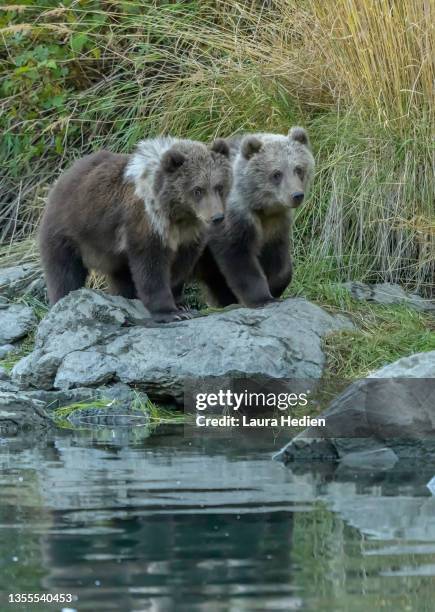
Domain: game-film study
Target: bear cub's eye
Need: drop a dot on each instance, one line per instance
(219, 189)
(299, 171)
(277, 176)
(197, 192)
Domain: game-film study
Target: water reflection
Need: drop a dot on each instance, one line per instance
(167, 523)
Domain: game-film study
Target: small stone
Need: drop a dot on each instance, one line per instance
(16, 321)
(388, 294)
(431, 485)
(16, 280)
(6, 349)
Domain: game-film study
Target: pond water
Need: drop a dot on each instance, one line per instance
(128, 522)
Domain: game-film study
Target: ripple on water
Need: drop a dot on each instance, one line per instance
(163, 523)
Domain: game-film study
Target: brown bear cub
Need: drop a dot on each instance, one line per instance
(247, 259)
(141, 219)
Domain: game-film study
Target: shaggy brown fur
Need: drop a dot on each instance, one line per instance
(247, 259)
(139, 219)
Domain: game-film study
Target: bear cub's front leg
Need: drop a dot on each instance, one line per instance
(152, 278)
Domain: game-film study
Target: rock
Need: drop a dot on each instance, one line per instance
(37, 289)
(431, 486)
(118, 394)
(358, 290)
(392, 410)
(18, 411)
(25, 279)
(16, 321)
(6, 349)
(420, 365)
(3, 374)
(7, 385)
(389, 507)
(388, 294)
(90, 338)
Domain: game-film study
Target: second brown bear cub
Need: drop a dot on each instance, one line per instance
(247, 259)
(140, 219)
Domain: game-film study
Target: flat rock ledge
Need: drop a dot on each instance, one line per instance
(90, 339)
(376, 422)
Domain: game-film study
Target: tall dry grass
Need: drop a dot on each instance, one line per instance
(379, 57)
(358, 73)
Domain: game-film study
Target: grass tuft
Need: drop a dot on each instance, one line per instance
(158, 415)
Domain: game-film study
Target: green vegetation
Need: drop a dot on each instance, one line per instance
(61, 414)
(357, 73)
(23, 348)
(382, 334)
(158, 415)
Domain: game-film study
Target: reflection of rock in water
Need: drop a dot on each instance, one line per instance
(23, 512)
(171, 558)
(386, 506)
(149, 522)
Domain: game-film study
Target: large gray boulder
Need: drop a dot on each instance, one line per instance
(90, 338)
(376, 421)
(16, 321)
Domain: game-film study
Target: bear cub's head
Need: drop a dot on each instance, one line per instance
(274, 172)
(194, 181)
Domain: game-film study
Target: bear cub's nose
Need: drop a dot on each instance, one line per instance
(297, 197)
(217, 218)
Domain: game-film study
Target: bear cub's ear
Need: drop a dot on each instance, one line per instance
(220, 146)
(299, 135)
(250, 146)
(172, 160)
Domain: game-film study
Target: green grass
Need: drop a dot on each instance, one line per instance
(61, 414)
(383, 334)
(39, 308)
(23, 348)
(158, 415)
